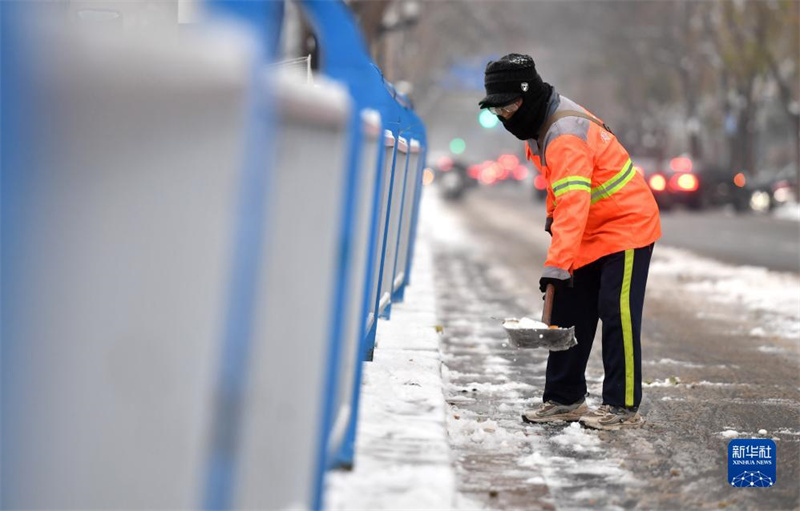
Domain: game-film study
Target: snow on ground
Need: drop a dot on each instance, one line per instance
(685, 364)
(407, 432)
(773, 297)
(501, 462)
(403, 458)
(789, 211)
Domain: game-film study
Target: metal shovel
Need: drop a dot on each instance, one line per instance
(552, 338)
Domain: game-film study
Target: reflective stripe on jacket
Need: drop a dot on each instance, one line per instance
(598, 202)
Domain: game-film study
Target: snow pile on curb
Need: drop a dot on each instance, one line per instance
(402, 451)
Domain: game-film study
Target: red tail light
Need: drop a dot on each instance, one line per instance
(508, 161)
(521, 172)
(684, 182)
(488, 175)
(658, 183)
(539, 182)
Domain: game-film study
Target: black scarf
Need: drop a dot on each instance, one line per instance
(528, 120)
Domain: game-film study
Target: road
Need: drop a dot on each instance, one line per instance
(746, 239)
(739, 239)
(705, 374)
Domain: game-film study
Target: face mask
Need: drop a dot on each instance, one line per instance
(526, 122)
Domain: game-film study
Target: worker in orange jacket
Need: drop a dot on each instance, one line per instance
(604, 221)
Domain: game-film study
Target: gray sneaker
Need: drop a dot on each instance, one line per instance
(552, 412)
(611, 418)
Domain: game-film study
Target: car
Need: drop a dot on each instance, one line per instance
(772, 189)
(452, 177)
(506, 168)
(697, 185)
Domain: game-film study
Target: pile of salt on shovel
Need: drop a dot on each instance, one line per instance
(529, 333)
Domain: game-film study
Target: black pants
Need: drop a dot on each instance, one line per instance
(611, 289)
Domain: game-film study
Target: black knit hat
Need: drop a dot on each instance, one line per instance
(508, 79)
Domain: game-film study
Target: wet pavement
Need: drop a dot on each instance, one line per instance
(707, 379)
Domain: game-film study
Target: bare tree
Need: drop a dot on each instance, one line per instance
(783, 59)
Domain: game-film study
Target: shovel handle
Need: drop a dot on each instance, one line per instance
(549, 293)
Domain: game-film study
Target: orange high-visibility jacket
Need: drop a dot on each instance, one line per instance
(598, 203)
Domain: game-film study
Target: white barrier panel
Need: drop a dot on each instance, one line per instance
(414, 168)
(393, 226)
(389, 144)
(115, 293)
(359, 251)
(282, 412)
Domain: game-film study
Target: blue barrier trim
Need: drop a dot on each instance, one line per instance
(248, 244)
(14, 124)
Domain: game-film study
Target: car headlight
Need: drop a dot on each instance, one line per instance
(759, 201)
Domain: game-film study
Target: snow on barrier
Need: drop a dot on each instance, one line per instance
(194, 258)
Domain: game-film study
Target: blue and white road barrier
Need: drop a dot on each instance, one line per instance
(196, 247)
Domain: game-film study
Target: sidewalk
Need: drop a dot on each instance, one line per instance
(402, 453)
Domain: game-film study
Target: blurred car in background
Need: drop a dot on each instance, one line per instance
(696, 185)
(773, 189)
(452, 177)
(507, 168)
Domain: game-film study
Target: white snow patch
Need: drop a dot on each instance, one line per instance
(729, 433)
(789, 211)
(787, 431)
(686, 364)
(773, 297)
(772, 350)
(465, 503)
(488, 433)
(402, 452)
(762, 431)
(674, 381)
(441, 223)
(559, 472)
(535, 480)
(496, 388)
(669, 361)
(666, 382)
(577, 439)
(705, 383)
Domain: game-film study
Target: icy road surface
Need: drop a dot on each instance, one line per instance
(720, 361)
